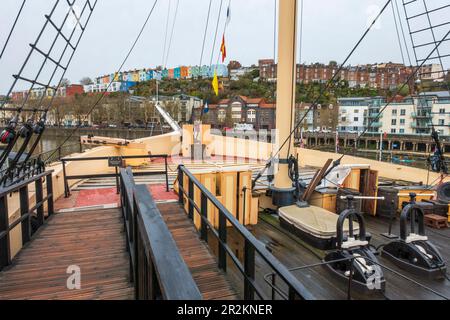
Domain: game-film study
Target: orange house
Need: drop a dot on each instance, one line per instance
(171, 73)
(184, 72)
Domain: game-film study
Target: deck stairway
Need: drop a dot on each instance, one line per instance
(92, 240)
(113, 250)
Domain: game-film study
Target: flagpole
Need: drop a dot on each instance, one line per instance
(337, 141)
(381, 145)
(301, 138)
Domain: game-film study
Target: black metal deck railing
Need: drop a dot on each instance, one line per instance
(118, 163)
(156, 266)
(25, 210)
(252, 246)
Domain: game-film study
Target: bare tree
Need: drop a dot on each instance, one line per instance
(65, 82)
(86, 81)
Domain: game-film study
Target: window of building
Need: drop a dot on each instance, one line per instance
(356, 110)
(236, 111)
(355, 119)
(355, 128)
(401, 130)
(441, 111)
(394, 112)
(222, 114)
(402, 121)
(441, 122)
(251, 115)
(393, 130)
(403, 112)
(343, 119)
(394, 122)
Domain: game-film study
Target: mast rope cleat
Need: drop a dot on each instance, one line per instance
(414, 252)
(353, 260)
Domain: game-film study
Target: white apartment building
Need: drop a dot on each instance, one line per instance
(413, 116)
(398, 118)
(352, 114)
(103, 87)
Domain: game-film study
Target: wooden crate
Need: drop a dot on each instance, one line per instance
(326, 200)
(419, 197)
(227, 183)
(245, 180)
(435, 221)
(353, 180)
(209, 181)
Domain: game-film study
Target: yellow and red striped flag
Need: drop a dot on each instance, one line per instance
(223, 49)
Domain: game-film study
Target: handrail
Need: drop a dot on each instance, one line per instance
(252, 245)
(113, 175)
(26, 212)
(156, 266)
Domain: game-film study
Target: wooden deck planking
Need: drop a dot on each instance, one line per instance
(292, 252)
(92, 240)
(211, 282)
(398, 288)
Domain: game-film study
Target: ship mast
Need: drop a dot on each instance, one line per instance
(286, 81)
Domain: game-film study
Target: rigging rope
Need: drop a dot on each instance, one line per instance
(327, 86)
(215, 34)
(166, 34)
(12, 28)
(224, 31)
(403, 86)
(171, 33)
(111, 82)
(403, 33)
(29, 127)
(398, 32)
(206, 31)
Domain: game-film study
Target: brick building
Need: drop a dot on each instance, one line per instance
(378, 76)
(240, 109)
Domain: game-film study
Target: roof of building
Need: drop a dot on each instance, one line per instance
(354, 98)
(255, 100)
(268, 106)
(439, 94)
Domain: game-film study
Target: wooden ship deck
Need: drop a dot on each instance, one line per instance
(84, 233)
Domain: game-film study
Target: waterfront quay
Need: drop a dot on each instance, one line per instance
(123, 133)
(396, 143)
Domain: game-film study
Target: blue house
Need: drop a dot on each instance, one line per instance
(177, 73)
(125, 86)
(205, 72)
(149, 75)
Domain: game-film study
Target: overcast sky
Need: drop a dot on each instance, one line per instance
(330, 29)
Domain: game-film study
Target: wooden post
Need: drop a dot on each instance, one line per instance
(167, 173)
(223, 239)
(249, 268)
(180, 185)
(66, 185)
(204, 214)
(191, 197)
(287, 66)
(50, 195)
(40, 205)
(5, 250)
(25, 210)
